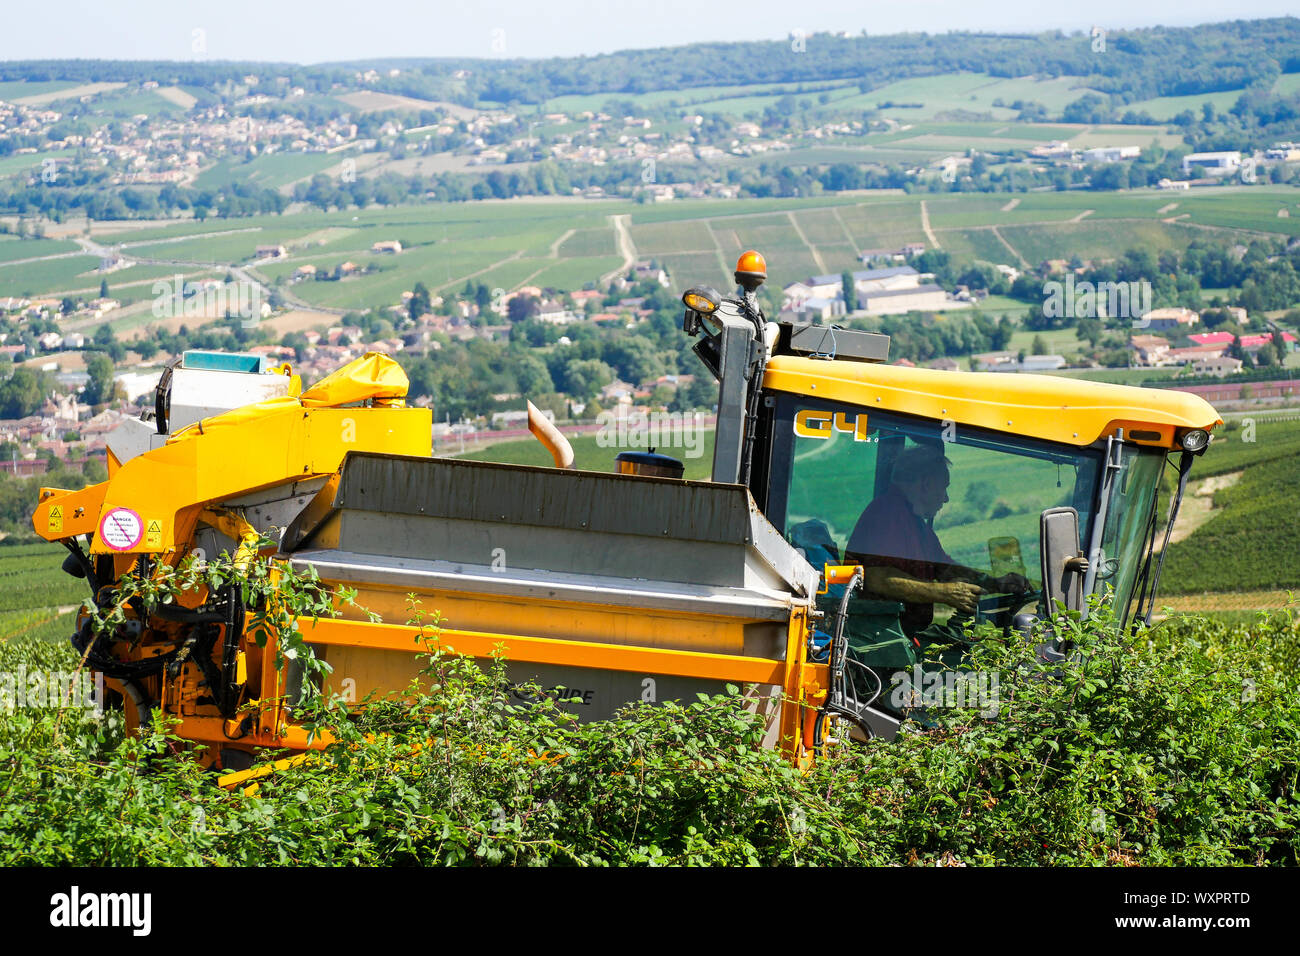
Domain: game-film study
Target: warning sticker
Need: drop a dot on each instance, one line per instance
(56, 518)
(120, 529)
(153, 533)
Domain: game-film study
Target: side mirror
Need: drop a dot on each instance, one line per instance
(1063, 563)
(691, 323)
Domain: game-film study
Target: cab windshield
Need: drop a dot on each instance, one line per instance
(930, 506)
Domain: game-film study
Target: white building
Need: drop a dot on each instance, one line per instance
(917, 299)
(891, 279)
(644, 270)
(889, 291)
(1214, 164)
(1111, 154)
(818, 309)
(1218, 367)
(1041, 363)
(556, 314)
(1158, 319)
(1283, 152)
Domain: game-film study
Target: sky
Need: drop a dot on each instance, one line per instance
(332, 30)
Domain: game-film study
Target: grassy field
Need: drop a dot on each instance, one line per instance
(1237, 446)
(11, 90)
(146, 102)
(235, 247)
(33, 587)
(1167, 107)
(1058, 341)
(269, 172)
(1250, 542)
(1118, 376)
(26, 164)
(1251, 545)
(12, 249)
(566, 244)
(733, 100)
(927, 98)
(44, 625)
(52, 275)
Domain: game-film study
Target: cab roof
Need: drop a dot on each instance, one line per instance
(1050, 407)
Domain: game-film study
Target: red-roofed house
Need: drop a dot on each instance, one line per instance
(1248, 342)
(1252, 342)
(1212, 338)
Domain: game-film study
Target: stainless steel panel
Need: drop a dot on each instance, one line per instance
(424, 575)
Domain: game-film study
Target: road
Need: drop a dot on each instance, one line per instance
(925, 226)
(626, 248)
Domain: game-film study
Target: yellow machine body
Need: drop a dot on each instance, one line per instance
(322, 449)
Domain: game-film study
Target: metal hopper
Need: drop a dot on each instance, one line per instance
(588, 559)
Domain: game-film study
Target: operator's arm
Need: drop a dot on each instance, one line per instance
(900, 586)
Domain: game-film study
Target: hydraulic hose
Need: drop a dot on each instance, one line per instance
(233, 526)
(232, 617)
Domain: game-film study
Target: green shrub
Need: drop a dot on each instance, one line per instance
(1176, 747)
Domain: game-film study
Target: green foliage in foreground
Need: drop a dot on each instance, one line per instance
(1179, 747)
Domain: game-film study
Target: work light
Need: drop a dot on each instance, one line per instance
(1195, 440)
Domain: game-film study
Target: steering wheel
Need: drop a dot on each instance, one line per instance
(1001, 608)
(997, 608)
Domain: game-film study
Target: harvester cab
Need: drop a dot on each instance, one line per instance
(932, 498)
(858, 513)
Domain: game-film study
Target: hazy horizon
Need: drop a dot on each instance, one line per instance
(333, 31)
